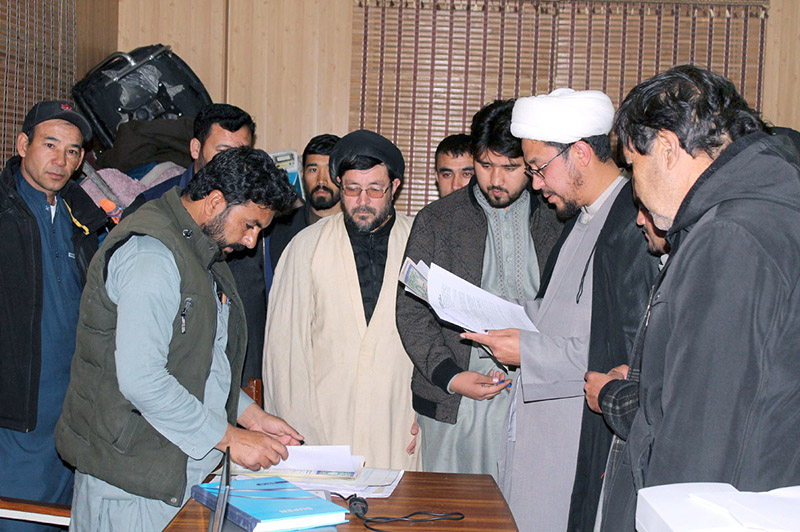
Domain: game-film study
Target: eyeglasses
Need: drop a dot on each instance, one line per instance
(373, 192)
(530, 171)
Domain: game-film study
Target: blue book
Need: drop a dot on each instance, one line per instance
(271, 504)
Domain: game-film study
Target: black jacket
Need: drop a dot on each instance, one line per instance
(452, 233)
(21, 292)
(623, 272)
(719, 392)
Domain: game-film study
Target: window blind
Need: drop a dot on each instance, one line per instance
(37, 58)
(421, 69)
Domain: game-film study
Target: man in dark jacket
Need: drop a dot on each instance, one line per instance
(322, 199)
(720, 376)
(49, 227)
(495, 233)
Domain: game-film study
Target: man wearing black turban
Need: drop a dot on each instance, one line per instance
(333, 361)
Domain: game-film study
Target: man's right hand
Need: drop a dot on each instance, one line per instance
(478, 386)
(252, 449)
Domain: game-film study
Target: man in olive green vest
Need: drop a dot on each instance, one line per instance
(154, 396)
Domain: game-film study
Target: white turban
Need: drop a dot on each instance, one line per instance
(563, 116)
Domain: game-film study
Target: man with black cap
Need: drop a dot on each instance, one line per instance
(334, 365)
(49, 227)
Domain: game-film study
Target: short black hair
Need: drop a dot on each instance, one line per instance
(600, 144)
(491, 130)
(228, 117)
(454, 146)
(702, 108)
(362, 162)
(244, 174)
(320, 145)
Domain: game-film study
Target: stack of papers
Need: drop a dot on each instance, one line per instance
(456, 301)
(331, 468)
(718, 507)
(319, 461)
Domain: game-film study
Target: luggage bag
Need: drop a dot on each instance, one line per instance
(150, 82)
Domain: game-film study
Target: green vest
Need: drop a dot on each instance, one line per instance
(100, 432)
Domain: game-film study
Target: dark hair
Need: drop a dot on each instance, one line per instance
(702, 108)
(320, 145)
(362, 162)
(244, 174)
(228, 117)
(453, 145)
(600, 144)
(491, 130)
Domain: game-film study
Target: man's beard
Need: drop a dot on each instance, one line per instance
(323, 202)
(501, 203)
(215, 230)
(380, 217)
(569, 210)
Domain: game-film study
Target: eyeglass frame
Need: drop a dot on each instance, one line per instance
(530, 170)
(346, 188)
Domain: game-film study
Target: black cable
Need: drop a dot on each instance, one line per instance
(359, 507)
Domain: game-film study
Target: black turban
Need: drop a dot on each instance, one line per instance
(365, 142)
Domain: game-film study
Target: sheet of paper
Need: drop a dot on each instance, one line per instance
(311, 460)
(464, 304)
(369, 483)
(760, 511)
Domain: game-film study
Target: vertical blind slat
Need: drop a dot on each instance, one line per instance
(444, 59)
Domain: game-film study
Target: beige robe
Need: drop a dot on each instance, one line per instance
(332, 377)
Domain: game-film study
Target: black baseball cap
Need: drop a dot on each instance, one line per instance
(57, 110)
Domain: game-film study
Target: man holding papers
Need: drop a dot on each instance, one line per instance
(333, 361)
(596, 262)
(497, 234)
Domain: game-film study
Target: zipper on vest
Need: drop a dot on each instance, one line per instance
(188, 303)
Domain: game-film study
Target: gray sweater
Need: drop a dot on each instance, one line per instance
(452, 233)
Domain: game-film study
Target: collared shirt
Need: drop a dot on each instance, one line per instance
(510, 268)
(61, 291)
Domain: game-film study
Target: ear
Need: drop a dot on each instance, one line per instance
(194, 148)
(213, 204)
(668, 148)
(582, 153)
(395, 186)
(22, 145)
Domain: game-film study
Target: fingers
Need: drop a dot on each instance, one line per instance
(255, 450)
(622, 370)
(484, 339)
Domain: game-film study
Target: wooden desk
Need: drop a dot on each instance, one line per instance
(476, 496)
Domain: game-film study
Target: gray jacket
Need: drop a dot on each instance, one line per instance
(452, 233)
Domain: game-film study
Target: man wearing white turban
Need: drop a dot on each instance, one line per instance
(583, 322)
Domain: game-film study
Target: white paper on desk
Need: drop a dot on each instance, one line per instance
(371, 483)
(772, 511)
(464, 304)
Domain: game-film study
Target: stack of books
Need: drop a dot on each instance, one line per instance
(271, 504)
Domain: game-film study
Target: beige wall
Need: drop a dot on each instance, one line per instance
(289, 66)
(196, 30)
(287, 62)
(96, 33)
(782, 68)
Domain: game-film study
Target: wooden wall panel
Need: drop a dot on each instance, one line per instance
(96, 33)
(196, 30)
(289, 66)
(782, 64)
